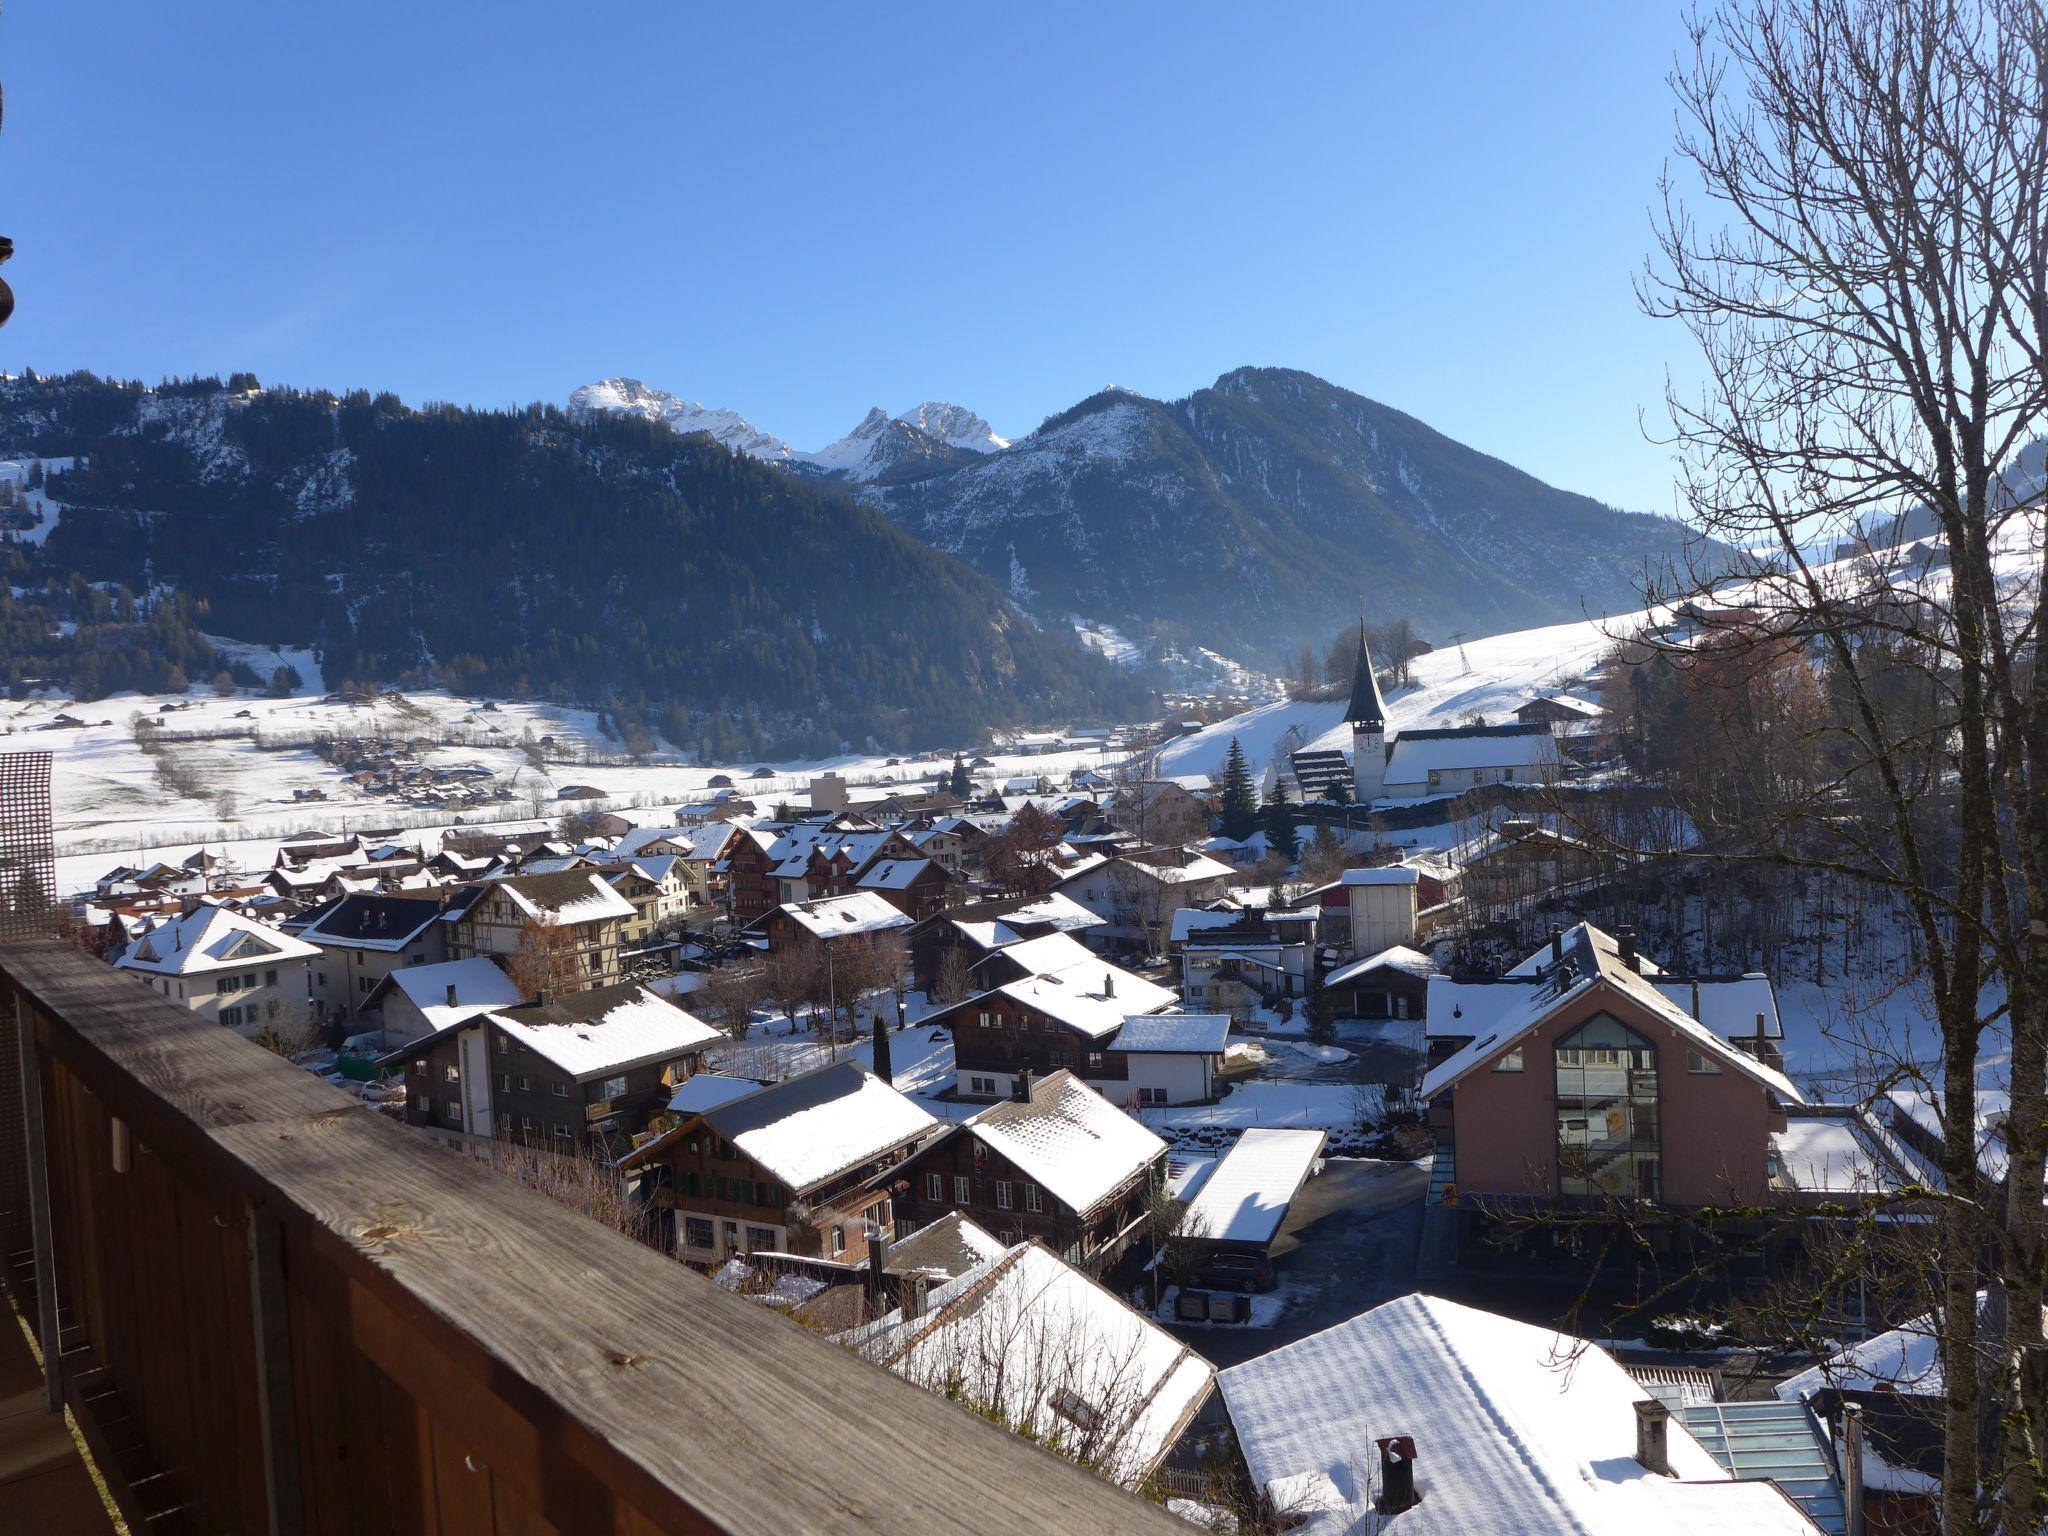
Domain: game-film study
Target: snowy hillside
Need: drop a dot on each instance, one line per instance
(955, 426)
(1489, 677)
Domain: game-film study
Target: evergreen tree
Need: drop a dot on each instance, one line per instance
(1240, 809)
(959, 783)
(1277, 822)
(884, 1068)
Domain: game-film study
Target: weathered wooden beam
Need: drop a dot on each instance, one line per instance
(601, 1385)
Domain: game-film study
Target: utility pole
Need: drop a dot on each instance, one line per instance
(1458, 639)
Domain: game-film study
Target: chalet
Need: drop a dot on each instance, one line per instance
(1027, 1336)
(801, 1168)
(562, 1073)
(1370, 1426)
(1561, 712)
(750, 887)
(1393, 984)
(363, 939)
(957, 843)
(1057, 1162)
(915, 887)
(1592, 1084)
(980, 928)
(1062, 1014)
(653, 883)
(587, 916)
(1236, 960)
(831, 920)
(700, 859)
(422, 1000)
(1160, 811)
(237, 972)
(1136, 892)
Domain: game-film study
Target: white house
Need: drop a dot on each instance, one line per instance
(235, 971)
(1170, 1058)
(1136, 893)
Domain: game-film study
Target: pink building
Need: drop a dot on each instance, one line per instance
(1588, 1083)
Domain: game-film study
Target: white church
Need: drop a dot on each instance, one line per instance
(1418, 764)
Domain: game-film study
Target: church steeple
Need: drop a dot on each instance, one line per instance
(1367, 718)
(1367, 707)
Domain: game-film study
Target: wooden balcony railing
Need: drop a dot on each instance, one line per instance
(273, 1310)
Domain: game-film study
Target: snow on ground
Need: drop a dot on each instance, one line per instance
(1319, 1106)
(15, 472)
(113, 803)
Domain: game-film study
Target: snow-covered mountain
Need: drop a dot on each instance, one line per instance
(629, 397)
(955, 426)
(1249, 517)
(922, 441)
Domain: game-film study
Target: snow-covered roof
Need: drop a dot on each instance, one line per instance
(1410, 962)
(610, 1029)
(209, 939)
(1052, 1350)
(1473, 1007)
(1048, 954)
(1572, 703)
(834, 917)
(1840, 1151)
(479, 987)
(952, 1245)
(893, 874)
(566, 897)
(809, 1129)
(1069, 1140)
(1728, 1005)
(1202, 1034)
(708, 1090)
(1385, 874)
(1190, 920)
(1907, 1360)
(1416, 754)
(1194, 867)
(1541, 960)
(1598, 968)
(1519, 1431)
(1246, 1197)
(1095, 998)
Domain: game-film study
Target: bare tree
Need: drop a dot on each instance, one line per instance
(1868, 288)
(545, 959)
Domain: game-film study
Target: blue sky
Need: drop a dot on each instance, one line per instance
(802, 211)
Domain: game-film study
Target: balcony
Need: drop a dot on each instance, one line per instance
(273, 1310)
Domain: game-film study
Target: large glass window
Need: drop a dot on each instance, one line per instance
(1607, 1141)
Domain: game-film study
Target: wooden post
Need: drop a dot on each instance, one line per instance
(274, 1400)
(39, 1201)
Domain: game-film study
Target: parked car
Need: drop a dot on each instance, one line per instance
(1234, 1270)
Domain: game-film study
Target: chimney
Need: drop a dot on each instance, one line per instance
(545, 997)
(1024, 1086)
(1653, 1436)
(1397, 1474)
(1625, 940)
(1852, 1468)
(1556, 945)
(913, 1294)
(1108, 984)
(451, 994)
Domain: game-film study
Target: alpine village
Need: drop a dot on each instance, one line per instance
(1227, 962)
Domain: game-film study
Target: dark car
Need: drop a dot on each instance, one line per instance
(1234, 1271)
(762, 773)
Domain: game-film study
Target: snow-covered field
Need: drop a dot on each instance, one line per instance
(114, 803)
